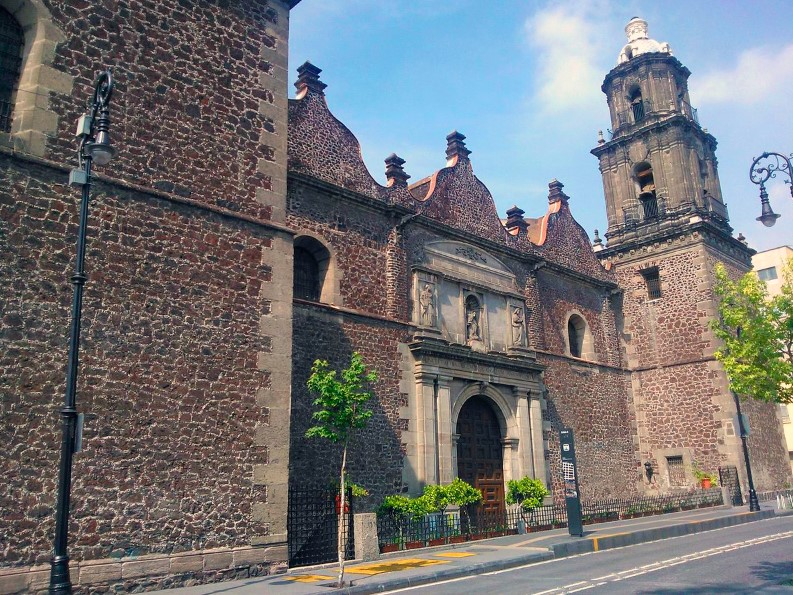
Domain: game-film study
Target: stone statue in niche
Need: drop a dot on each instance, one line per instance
(427, 305)
(518, 327)
(472, 319)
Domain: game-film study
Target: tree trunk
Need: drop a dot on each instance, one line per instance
(342, 542)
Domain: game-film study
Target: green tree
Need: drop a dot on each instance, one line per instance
(757, 335)
(528, 493)
(341, 409)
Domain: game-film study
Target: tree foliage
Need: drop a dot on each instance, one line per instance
(757, 335)
(527, 492)
(339, 403)
(340, 409)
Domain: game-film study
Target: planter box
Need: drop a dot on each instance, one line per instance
(438, 541)
(458, 539)
(389, 547)
(478, 536)
(414, 545)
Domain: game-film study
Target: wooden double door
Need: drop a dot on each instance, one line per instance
(480, 451)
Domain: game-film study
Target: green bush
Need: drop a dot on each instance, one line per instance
(528, 493)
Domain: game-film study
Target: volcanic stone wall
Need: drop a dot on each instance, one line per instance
(683, 406)
(183, 471)
(590, 394)
(200, 90)
(360, 240)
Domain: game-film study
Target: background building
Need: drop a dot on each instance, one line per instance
(769, 265)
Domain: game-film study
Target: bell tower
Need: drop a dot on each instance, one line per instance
(667, 229)
(659, 166)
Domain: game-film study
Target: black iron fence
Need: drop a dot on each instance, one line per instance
(774, 495)
(313, 524)
(728, 478)
(458, 526)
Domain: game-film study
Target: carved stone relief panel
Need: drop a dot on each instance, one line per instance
(517, 324)
(426, 300)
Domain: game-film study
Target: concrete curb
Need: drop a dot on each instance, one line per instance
(607, 542)
(561, 550)
(447, 573)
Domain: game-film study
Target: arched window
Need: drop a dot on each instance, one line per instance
(643, 174)
(637, 105)
(310, 269)
(576, 329)
(12, 42)
(306, 275)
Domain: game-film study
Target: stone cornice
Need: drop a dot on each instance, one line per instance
(627, 68)
(652, 124)
(673, 238)
(432, 348)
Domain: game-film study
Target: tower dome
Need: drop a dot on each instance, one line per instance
(639, 43)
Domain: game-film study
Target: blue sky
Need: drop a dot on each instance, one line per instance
(521, 79)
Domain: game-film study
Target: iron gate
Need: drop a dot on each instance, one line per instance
(312, 525)
(728, 477)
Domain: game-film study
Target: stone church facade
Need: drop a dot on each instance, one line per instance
(238, 236)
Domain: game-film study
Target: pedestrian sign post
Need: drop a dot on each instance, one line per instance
(572, 496)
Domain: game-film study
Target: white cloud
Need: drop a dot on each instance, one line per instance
(760, 75)
(566, 37)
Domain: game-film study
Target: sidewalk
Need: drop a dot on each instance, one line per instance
(418, 567)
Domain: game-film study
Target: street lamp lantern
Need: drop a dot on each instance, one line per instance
(763, 168)
(94, 146)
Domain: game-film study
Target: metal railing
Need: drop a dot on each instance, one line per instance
(772, 495)
(313, 523)
(639, 111)
(458, 526)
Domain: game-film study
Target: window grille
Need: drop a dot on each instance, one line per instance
(653, 281)
(677, 472)
(650, 207)
(306, 284)
(12, 41)
(638, 110)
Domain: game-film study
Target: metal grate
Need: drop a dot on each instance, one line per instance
(650, 206)
(12, 41)
(306, 286)
(312, 524)
(728, 478)
(653, 282)
(638, 110)
(676, 470)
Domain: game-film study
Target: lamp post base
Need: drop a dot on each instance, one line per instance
(60, 583)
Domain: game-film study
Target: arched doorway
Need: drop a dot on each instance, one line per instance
(480, 451)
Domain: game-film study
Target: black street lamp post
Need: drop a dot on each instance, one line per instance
(92, 134)
(764, 167)
(754, 503)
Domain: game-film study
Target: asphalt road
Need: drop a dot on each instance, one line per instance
(751, 558)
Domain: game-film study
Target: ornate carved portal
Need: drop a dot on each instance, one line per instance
(480, 459)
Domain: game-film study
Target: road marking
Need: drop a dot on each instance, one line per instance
(669, 563)
(309, 578)
(393, 566)
(616, 577)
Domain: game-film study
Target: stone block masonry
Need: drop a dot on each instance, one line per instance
(185, 357)
(177, 362)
